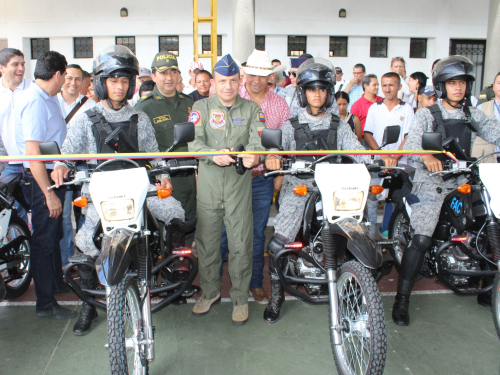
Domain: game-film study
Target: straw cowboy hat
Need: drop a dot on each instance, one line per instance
(259, 64)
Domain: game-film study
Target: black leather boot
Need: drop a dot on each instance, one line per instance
(410, 266)
(272, 311)
(88, 314)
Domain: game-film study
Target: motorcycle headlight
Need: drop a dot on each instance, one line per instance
(118, 210)
(348, 200)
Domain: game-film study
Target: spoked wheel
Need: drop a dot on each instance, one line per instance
(364, 339)
(125, 330)
(17, 278)
(399, 230)
(495, 303)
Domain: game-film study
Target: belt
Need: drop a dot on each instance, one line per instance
(258, 173)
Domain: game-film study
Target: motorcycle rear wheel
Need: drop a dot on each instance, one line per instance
(126, 356)
(18, 278)
(398, 225)
(495, 303)
(364, 338)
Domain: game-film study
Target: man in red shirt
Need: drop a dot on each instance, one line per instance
(361, 106)
(275, 110)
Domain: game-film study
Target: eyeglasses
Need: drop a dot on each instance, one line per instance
(293, 74)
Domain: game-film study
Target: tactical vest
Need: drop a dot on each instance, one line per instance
(307, 139)
(101, 129)
(460, 129)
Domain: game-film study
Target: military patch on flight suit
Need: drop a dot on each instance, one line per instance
(261, 117)
(194, 117)
(259, 129)
(159, 119)
(217, 119)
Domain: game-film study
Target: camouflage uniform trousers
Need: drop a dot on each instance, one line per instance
(425, 213)
(289, 219)
(162, 209)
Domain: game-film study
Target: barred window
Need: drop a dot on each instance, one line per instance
(338, 46)
(206, 45)
(378, 47)
(39, 46)
(83, 48)
(297, 45)
(260, 42)
(127, 41)
(418, 48)
(169, 43)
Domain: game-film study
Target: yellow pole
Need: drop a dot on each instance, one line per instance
(213, 31)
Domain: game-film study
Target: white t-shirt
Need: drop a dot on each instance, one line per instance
(379, 117)
(8, 99)
(67, 108)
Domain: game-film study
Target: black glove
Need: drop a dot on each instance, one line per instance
(240, 168)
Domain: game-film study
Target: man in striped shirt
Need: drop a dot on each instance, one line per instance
(276, 112)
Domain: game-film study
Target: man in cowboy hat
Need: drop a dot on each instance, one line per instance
(257, 70)
(222, 122)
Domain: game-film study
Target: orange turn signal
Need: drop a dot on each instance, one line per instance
(81, 202)
(377, 189)
(163, 193)
(300, 190)
(464, 189)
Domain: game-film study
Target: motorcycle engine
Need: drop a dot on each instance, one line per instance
(308, 270)
(454, 259)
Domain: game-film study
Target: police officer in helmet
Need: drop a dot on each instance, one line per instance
(115, 69)
(315, 127)
(452, 78)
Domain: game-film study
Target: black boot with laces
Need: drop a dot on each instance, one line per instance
(272, 311)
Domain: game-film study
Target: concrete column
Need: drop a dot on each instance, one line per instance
(492, 63)
(243, 29)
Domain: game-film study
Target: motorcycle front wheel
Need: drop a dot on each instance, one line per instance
(17, 278)
(361, 313)
(399, 230)
(125, 330)
(495, 303)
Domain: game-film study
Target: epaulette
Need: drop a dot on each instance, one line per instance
(489, 86)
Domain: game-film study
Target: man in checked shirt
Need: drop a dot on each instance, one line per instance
(276, 112)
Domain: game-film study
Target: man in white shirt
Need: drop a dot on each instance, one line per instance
(398, 65)
(340, 84)
(72, 103)
(387, 112)
(12, 84)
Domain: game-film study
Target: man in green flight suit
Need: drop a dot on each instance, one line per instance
(165, 108)
(222, 122)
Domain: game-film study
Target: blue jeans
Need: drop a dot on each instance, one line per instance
(262, 197)
(387, 217)
(66, 244)
(13, 169)
(45, 251)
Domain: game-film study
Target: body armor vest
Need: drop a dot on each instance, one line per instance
(307, 139)
(460, 129)
(101, 129)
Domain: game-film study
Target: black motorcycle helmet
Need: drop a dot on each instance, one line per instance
(453, 67)
(313, 73)
(115, 61)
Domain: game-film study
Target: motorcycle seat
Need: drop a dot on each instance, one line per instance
(183, 226)
(9, 183)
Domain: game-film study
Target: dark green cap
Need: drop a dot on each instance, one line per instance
(164, 61)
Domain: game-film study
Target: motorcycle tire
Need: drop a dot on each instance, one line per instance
(364, 338)
(397, 226)
(125, 323)
(18, 278)
(495, 303)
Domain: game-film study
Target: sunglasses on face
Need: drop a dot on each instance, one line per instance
(293, 74)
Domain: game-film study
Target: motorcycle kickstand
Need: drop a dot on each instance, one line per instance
(334, 306)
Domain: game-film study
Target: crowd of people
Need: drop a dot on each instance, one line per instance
(229, 107)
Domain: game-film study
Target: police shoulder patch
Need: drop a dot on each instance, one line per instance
(482, 96)
(194, 117)
(261, 117)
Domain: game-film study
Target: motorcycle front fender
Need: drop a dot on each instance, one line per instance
(116, 256)
(359, 242)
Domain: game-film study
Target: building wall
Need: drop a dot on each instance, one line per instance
(60, 20)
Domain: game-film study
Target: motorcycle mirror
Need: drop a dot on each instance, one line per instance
(391, 135)
(271, 138)
(183, 133)
(432, 141)
(49, 148)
